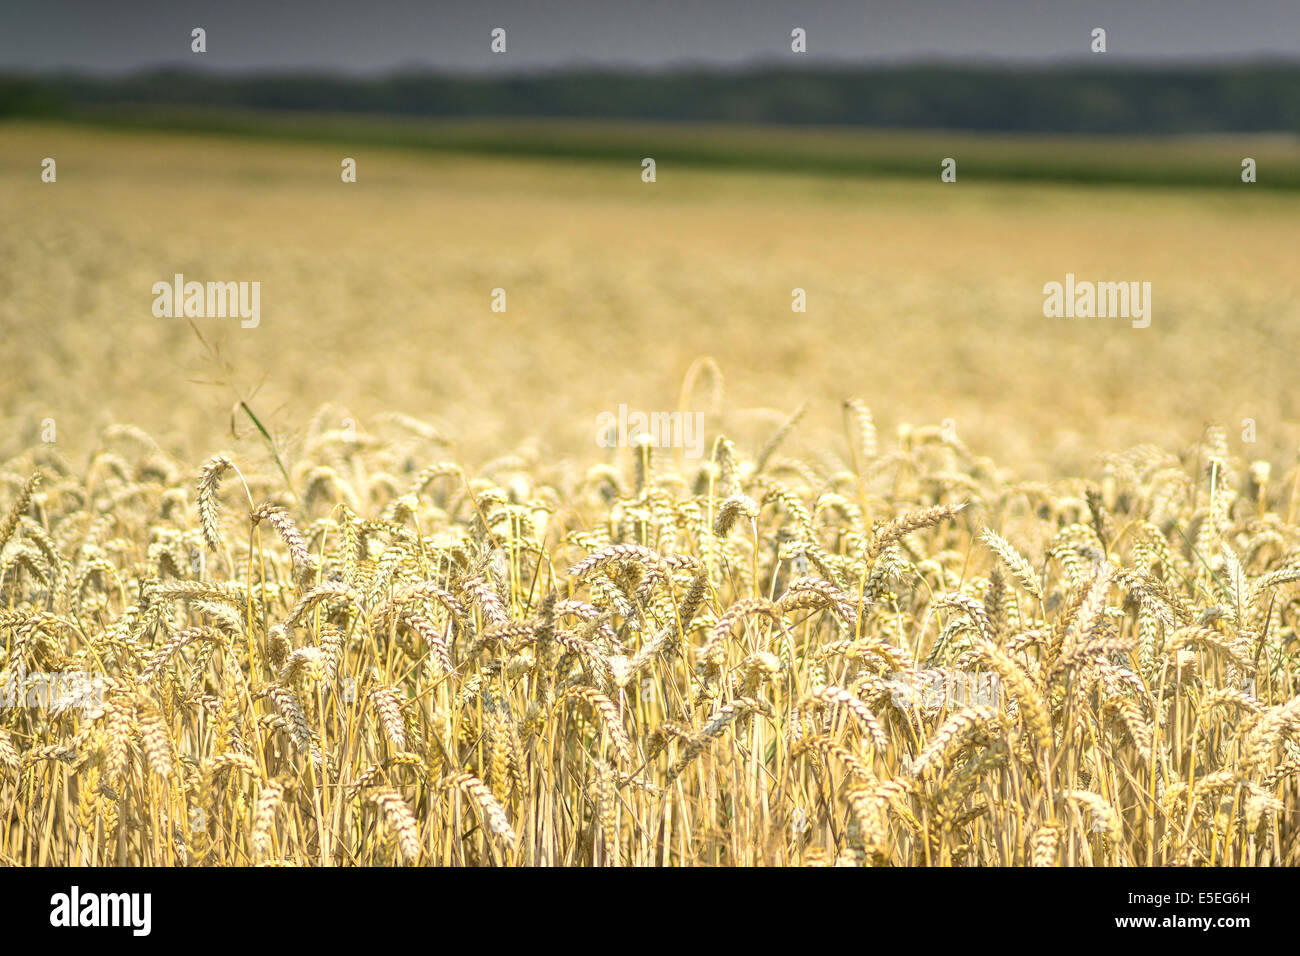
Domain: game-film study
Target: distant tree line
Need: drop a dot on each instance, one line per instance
(1063, 99)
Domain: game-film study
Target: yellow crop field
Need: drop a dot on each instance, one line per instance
(901, 570)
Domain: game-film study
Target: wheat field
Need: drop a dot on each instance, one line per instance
(997, 596)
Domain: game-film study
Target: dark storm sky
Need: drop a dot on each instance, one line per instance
(380, 35)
